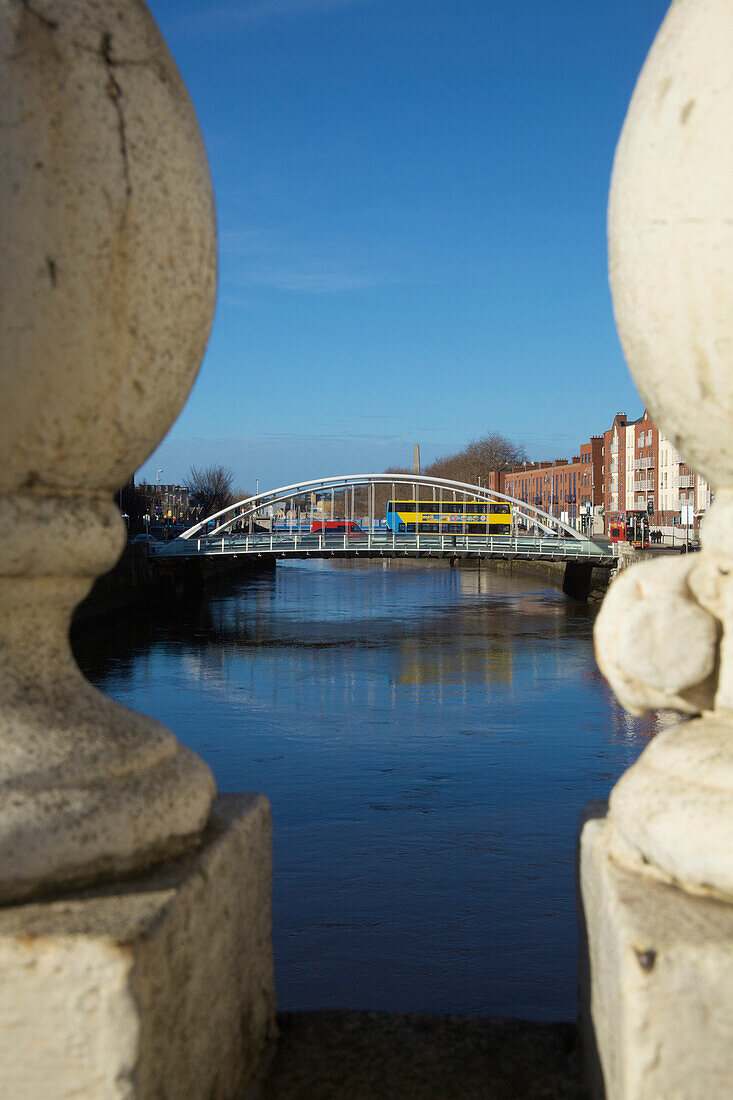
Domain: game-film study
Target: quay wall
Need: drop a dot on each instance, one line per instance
(553, 572)
(138, 579)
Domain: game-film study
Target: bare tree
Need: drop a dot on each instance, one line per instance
(210, 488)
(492, 452)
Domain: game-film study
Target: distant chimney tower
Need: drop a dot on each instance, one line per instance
(416, 459)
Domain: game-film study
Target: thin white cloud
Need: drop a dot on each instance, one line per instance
(301, 440)
(255, 259)
(215, 17)
(319, 277)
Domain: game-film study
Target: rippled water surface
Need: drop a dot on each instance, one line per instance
(427, 737)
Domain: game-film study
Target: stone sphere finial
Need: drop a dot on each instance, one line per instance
(664, 637)
(670, 234)
(108, 244)
(109, 256)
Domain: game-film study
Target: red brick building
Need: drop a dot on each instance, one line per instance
(564, 488)
(631, 467)
(643, 472)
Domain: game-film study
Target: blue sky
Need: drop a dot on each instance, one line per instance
(411, 201)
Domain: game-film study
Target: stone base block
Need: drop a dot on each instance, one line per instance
(657, 995)
(159, 987)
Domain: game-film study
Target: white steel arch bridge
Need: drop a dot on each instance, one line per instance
(234, 530)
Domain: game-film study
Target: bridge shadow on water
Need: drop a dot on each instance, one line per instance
(427, 737)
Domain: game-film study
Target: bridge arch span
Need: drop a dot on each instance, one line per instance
(248, 507)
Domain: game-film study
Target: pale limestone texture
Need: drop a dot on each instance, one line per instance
(670, 234)
(661, 651)
(161, 987)
(685, 832)
(665, 633)
(662, 974)
(108, 243)
(108, 251)
(657, 874)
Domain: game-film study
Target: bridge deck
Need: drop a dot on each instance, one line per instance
(385, 544)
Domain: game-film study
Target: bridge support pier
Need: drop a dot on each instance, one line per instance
(577, 580)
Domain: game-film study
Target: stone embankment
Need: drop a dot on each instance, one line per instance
(553, 572)
(138, 580)
(131, 582)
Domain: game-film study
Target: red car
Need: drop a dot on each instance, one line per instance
(335, 527)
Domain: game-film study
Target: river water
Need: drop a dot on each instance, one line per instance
(427, 737)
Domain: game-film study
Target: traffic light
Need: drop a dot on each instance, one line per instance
(650, 507)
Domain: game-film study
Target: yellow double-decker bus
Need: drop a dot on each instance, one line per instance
(450, 517)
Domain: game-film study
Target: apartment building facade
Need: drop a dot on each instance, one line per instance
(171, 501)
(631, 467)
(643, 472)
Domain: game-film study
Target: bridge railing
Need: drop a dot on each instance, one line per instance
(285, 543)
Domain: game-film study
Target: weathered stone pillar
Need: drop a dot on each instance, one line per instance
(657, 873)
(109, 269)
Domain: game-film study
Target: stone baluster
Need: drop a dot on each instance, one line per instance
(108, 250)
(657, 873)
(161, 984)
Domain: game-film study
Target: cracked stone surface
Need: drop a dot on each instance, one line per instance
(657, 873)
(108, 249)
(661, 996)
(664, 637)
(108, 243)
(158, 987)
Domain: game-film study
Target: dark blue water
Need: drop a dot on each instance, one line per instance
(427, 737)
